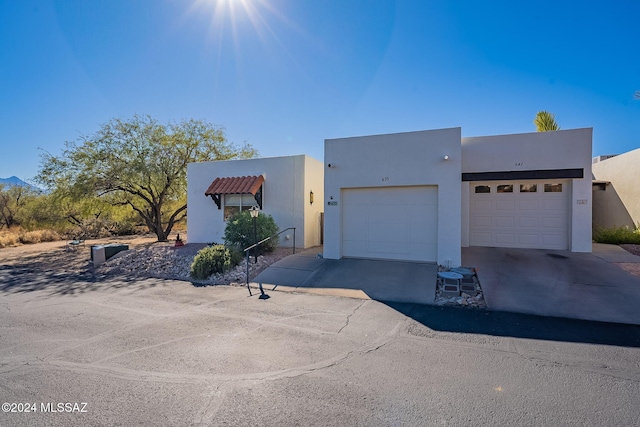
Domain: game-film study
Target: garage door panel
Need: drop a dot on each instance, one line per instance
(482, 221)
(505, 205)
(382, 247)
(552, 240)
(528, 219)
(390, 223)
(352, 246)
(505, 222)
(481, 238)
(482, 205)
(554, 204)
(358, 226)
(528, 205)
(505, 238)
(386, 212)
(388, 231)
(555, 223)
(528, 222)
(528, 240)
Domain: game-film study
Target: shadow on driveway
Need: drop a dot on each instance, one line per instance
(505, 324)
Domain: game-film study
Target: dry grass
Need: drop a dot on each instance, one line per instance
(16, 236)
(39, 236)
(8, 238)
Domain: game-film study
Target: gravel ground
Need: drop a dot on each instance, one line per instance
(631, 267)
(146, 257)
(634, 249)
(163, 260)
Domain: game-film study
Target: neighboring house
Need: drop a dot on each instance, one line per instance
(413, 196)
(540, 190)
(420, 196)
(290, 189)
(616, 191)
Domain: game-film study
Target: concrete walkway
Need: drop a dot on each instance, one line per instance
(559, 283)
(392, 281)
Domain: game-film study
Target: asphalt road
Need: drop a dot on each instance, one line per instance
(154, 352)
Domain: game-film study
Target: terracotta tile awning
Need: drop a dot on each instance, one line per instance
(236, 185)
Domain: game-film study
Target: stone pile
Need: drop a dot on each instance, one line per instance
(472, 299)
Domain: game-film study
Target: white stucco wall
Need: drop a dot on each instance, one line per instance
(564, 149)
(286, 179)
(619, 204)
(313, 181)
(402, 159)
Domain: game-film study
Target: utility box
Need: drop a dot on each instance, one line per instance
(97, 255)
(112, 249)
(101, 253)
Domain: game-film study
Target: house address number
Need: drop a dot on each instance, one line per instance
(333, 203)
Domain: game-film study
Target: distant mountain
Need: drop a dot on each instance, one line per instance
(15, 181)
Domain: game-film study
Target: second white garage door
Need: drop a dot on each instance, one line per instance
(527, 214)
(398, 223)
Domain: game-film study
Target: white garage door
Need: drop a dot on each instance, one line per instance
(399, 223)
(527, 214)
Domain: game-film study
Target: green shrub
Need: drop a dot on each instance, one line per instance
(210, 260)
(239, 232)
(123, 229)
(617, 236)
(237, 256)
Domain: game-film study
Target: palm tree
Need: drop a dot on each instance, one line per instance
(545, 122)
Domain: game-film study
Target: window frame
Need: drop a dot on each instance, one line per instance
(241, 207)
(553, 187)
(500, 188)
(482, 186)
(531, 188)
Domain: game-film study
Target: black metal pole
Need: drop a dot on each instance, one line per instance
(255, 240)
(248, 287)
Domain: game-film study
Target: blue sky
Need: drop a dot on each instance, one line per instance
(284, 75)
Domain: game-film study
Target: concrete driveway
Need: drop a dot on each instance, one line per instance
(559, 283)
(542, 282)
(392, 281)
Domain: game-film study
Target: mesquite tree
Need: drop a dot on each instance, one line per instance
(139, 163)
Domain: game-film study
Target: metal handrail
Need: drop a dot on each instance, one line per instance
(262, 241)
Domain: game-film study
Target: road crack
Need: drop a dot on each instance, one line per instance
(349, 317)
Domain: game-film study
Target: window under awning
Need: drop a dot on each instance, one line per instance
(236, 185)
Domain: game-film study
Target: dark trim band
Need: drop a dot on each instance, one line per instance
(518, 175)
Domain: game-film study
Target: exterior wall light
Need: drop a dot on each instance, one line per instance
(310, 197)
(446, 157)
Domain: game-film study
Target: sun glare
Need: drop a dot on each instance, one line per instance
(231, 23)
(235, 14)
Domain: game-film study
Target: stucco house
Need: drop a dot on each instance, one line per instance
(413, 196)
(421, 196)
(616, 190)
(290, 189)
